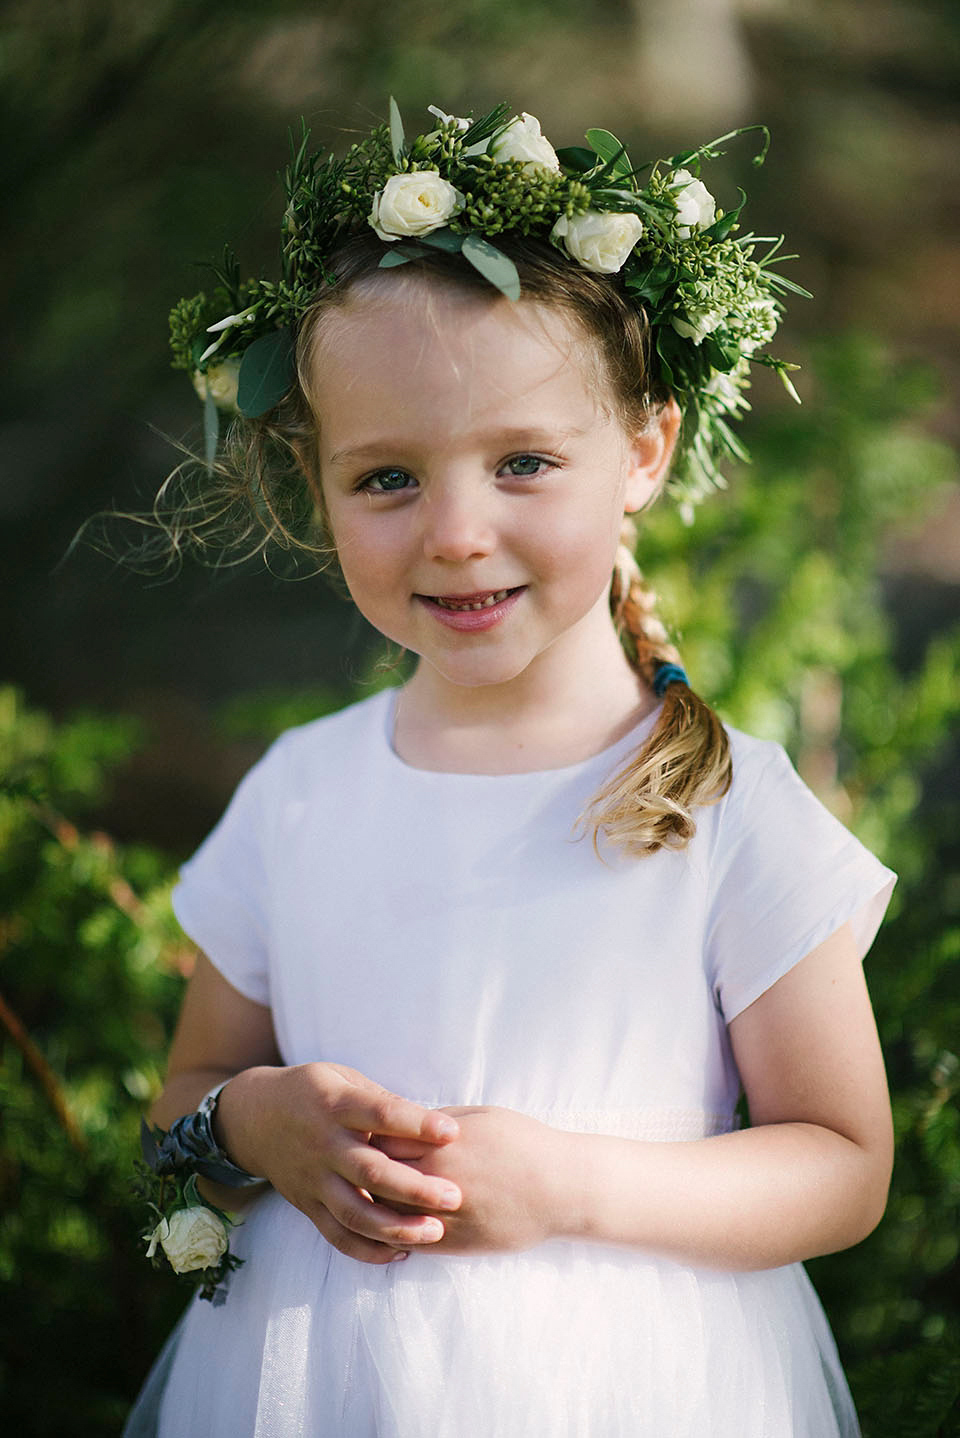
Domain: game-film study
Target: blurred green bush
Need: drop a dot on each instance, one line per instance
(781, 618)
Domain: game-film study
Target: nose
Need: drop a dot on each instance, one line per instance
(458, 523)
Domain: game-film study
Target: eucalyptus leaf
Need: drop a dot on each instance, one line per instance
(493, 264)
(445, 239)
(397, 137)
(400, 254)
(266, 373)
(211, 429)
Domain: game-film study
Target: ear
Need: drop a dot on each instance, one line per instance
(650, 454)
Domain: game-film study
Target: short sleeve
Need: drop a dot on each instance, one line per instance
(222, 899)
(785, 875)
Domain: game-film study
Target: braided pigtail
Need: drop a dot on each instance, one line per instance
(648, 804)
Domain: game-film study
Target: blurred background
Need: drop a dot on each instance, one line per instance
(816, 603)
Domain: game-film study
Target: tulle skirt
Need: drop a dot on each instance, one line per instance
(567, 1340)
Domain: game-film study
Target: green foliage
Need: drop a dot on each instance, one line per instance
(781, 620)
(90, 978)
(781, 616)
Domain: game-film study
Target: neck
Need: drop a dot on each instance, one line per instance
(553, 714)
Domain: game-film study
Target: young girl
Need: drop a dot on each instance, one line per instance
(489, 957)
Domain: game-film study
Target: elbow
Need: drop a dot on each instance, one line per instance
(876, 1198)
(872, 1193)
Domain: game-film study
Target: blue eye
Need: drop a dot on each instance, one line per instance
(524, 465)
(387, 481)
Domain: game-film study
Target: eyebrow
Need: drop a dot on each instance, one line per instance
(507, 438)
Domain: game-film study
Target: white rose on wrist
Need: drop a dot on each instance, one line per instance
(599, 242)
(414, 204)
(523, 140)
(191, 1238)
(696, 207)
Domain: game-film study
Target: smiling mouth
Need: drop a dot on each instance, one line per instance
(472, 601)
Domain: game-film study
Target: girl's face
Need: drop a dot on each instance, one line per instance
(473, 485)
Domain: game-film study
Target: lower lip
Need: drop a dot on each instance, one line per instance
(472, 621)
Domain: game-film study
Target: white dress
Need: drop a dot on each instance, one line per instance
(448, 936)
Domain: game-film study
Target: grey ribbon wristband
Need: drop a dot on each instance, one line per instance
(190, 1144)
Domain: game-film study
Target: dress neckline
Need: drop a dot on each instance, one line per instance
(605, 757)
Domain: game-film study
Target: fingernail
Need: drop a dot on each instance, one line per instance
(399, 1257)
(448, 1128)
(449, 1198)
(431, 1230)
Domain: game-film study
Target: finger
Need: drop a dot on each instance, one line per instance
(383, 1112)
(366, 1167)
(363, 1216)
(402, 1149)
(352, 1245)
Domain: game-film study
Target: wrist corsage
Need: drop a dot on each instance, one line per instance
(188, 1231)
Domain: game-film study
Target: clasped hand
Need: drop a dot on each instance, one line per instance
(509, 1168)
(379, 1175)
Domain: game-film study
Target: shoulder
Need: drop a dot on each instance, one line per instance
(753, 757)
(758, 765)
(769, 809)
(327, 746)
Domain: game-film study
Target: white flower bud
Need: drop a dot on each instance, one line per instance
(445, 119)
(523, 140)
(597, 241)
(414, 204)
(696, 207)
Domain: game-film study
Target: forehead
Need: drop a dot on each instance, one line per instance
(436, 345)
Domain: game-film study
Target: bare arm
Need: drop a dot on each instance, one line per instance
(306, 1128)
(810, 1177)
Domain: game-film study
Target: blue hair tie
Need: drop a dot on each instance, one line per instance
(668, 674)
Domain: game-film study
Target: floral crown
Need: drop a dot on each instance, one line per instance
(712, 299)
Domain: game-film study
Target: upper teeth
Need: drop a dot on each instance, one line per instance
(473, 603)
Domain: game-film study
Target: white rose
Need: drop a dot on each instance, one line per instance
(523, 140)
(220, 382)
(191, 1238)
(696, 207)
(414, 204)
(599, 242)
